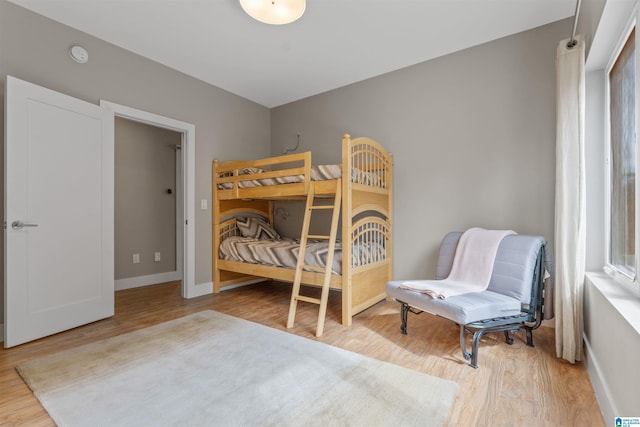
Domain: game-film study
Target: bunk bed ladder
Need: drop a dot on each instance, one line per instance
(300, 266)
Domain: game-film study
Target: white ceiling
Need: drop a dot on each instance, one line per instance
(335, 43)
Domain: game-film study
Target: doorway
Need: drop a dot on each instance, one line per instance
(185, 183)
(147, 195)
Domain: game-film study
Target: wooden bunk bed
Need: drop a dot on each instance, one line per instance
(249, 188)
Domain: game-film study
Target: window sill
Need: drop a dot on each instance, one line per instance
(624, 298)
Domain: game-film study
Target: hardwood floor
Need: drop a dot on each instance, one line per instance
(514, 385)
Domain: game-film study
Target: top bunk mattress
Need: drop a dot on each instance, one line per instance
(318, 173)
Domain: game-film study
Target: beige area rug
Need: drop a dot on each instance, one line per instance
(211, 369)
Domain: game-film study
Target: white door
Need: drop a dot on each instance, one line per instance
(58, 262)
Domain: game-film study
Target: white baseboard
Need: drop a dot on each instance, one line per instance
(152, 279)
(603, 394)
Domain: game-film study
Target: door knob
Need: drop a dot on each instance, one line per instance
(18, 225)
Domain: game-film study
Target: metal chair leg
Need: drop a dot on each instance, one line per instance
(474, 347)
(404, 314)
(529, 336)
(473, 356)
(507, 338)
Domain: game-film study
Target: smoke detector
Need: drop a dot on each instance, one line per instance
(79, 54)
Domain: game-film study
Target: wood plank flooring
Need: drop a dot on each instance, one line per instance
(514, 385)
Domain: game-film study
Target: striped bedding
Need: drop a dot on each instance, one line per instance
(284, 252)
(318, 173)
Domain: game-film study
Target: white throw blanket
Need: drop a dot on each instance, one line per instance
(472, 265)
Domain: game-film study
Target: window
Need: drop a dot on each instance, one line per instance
(622, 159)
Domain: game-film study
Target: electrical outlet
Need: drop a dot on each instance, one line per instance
(136, 258)
(156, 257)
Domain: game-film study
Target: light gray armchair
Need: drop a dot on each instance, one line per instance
(512, 301)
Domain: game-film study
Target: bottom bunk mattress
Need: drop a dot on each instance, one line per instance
(284, 252)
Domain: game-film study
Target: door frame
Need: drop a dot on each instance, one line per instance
(188, 148)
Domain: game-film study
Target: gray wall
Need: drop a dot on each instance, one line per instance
(145, 213)
(473, 138)
(34, 49)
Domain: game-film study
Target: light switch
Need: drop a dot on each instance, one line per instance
(204, 204)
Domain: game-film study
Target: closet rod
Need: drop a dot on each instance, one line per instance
(573, 41)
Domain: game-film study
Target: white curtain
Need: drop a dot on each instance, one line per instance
(570, 214)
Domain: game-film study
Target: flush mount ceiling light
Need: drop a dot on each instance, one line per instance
(275, 12)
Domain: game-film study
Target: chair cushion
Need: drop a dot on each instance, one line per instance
(462, 309)
(512, 269)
